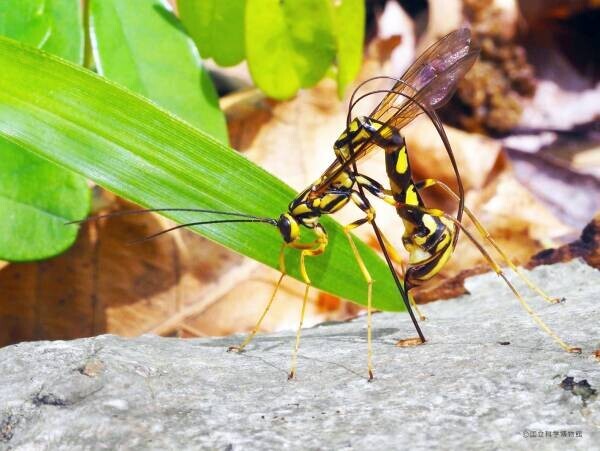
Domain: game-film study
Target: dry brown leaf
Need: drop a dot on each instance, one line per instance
(292, 139)
(238, 310)
(573, 196)
(395, 44)
(518, 222)
(586, 247)
(102, 284)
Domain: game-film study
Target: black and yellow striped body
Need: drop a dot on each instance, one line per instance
(429, 239)
(307, 208)
(359, 131)
(309, 205)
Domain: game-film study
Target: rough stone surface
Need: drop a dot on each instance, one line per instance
(461, 390)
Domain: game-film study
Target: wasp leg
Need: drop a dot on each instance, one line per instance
(375, 188)
(358, 200)
(486, 235)
(311, 250)
(256, 327)
(498, 270)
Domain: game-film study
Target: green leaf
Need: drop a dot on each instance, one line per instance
(141, 45)
(135, 149)
(217, 28)
(36, 196)
(36, 199)
(289, 44)
(349, 18)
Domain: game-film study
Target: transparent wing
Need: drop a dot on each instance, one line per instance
(432, 78)
(439, 89)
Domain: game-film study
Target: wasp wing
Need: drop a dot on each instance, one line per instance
(432, 78)
(434, 95)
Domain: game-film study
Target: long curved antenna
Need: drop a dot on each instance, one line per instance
(218, 221)
(351, 103)
(152, 210)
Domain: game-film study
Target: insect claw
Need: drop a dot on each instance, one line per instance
(291, 375)
(370, 376)
(575, 350)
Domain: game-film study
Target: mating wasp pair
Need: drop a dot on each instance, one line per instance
(430, 234)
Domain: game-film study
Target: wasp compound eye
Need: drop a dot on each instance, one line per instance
(285, 228)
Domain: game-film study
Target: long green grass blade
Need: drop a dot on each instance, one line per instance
(130, 146)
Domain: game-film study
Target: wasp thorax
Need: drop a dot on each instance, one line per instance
(348, 137)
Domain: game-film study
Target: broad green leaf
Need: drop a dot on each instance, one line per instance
(36, 196)
(217, 28)
(141, 45)
(36, 199)
(289, 44)
(349, 18)
(137, 150)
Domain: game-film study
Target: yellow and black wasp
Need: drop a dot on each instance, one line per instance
(430, 235)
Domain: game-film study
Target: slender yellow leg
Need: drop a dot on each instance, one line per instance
(521, 300)
(539, 321)
(414, 305)
(498, 270)
(321, 243)
(486, 235)
(523, 277)
(369, 280)
(256, 327)
(292, 372)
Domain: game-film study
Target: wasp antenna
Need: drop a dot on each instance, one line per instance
(218, 221)
(153, 210)
(352, 103)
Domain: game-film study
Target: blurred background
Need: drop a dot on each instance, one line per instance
(524, 126)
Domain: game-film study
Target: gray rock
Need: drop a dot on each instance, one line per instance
(461, 390)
